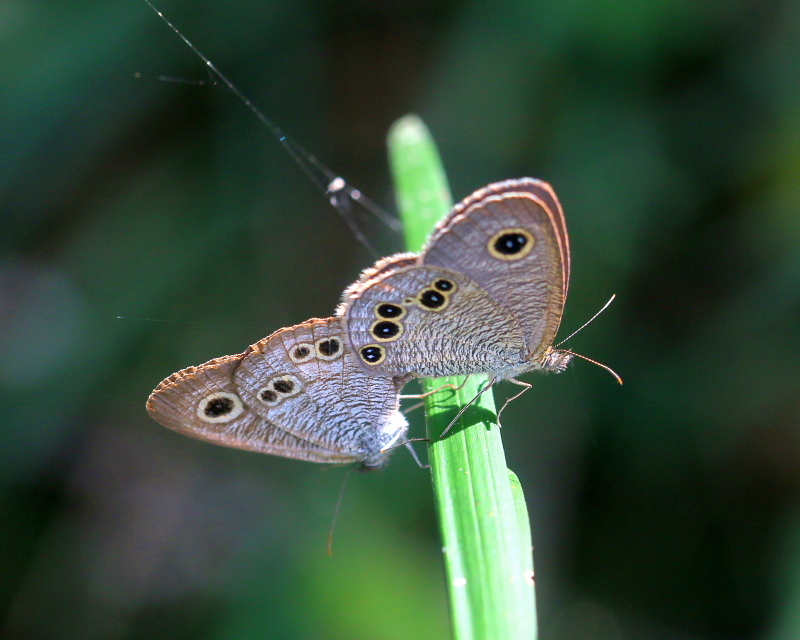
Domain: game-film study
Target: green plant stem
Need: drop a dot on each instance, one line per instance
(482, 515)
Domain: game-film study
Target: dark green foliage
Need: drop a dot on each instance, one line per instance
(664, 508)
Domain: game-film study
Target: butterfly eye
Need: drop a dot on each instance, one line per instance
(372, 354)
(511, 244)
(220, 407)
(301, 353)
(329, 348)
(386, 330)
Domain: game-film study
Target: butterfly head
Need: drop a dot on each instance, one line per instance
(556, 360)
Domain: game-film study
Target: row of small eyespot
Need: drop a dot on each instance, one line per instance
(508, 244)
(280, 388)
(324, 349)
(389, 327)
(223, 406)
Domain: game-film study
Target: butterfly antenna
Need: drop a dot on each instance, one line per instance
(599, 364)
(586, 324)
(336, 510)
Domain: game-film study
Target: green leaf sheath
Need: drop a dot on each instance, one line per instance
(482, 516)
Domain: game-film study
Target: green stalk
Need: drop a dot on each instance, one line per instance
(482, 515)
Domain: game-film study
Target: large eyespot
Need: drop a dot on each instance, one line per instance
(511, 244)
(329, 348)
(432, 299)
(390, 311)
(444, 285)
(302, 352)
(386, 330)
(220, 407)
(372, 354)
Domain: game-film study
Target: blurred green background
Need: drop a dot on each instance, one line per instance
(668, 508)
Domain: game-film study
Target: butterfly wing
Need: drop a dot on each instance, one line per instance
(429, 321)
(485, 296)
(511, 238)
(203, 402)
(305, 379)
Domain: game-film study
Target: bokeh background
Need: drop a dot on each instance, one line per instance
(668, 508)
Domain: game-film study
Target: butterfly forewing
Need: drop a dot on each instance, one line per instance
(529, 283)
(298, 393)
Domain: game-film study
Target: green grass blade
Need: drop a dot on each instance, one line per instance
(483, 521)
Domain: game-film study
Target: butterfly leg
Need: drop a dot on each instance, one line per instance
(413, 407)
(336, 510)
(407, 445)
(514, 397)
(467, 406)
(414, 453)
(419, 396)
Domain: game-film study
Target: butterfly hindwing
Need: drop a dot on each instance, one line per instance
(404, 319)
(202, 402)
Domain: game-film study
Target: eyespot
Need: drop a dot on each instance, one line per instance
(269, 397)
(372, 354)
(329, 348)
(220, 407)
(284, 386)
(432, 299)
(301, 353)
(386, 330)
(511, 244)
(390, 311)
(444, 285)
